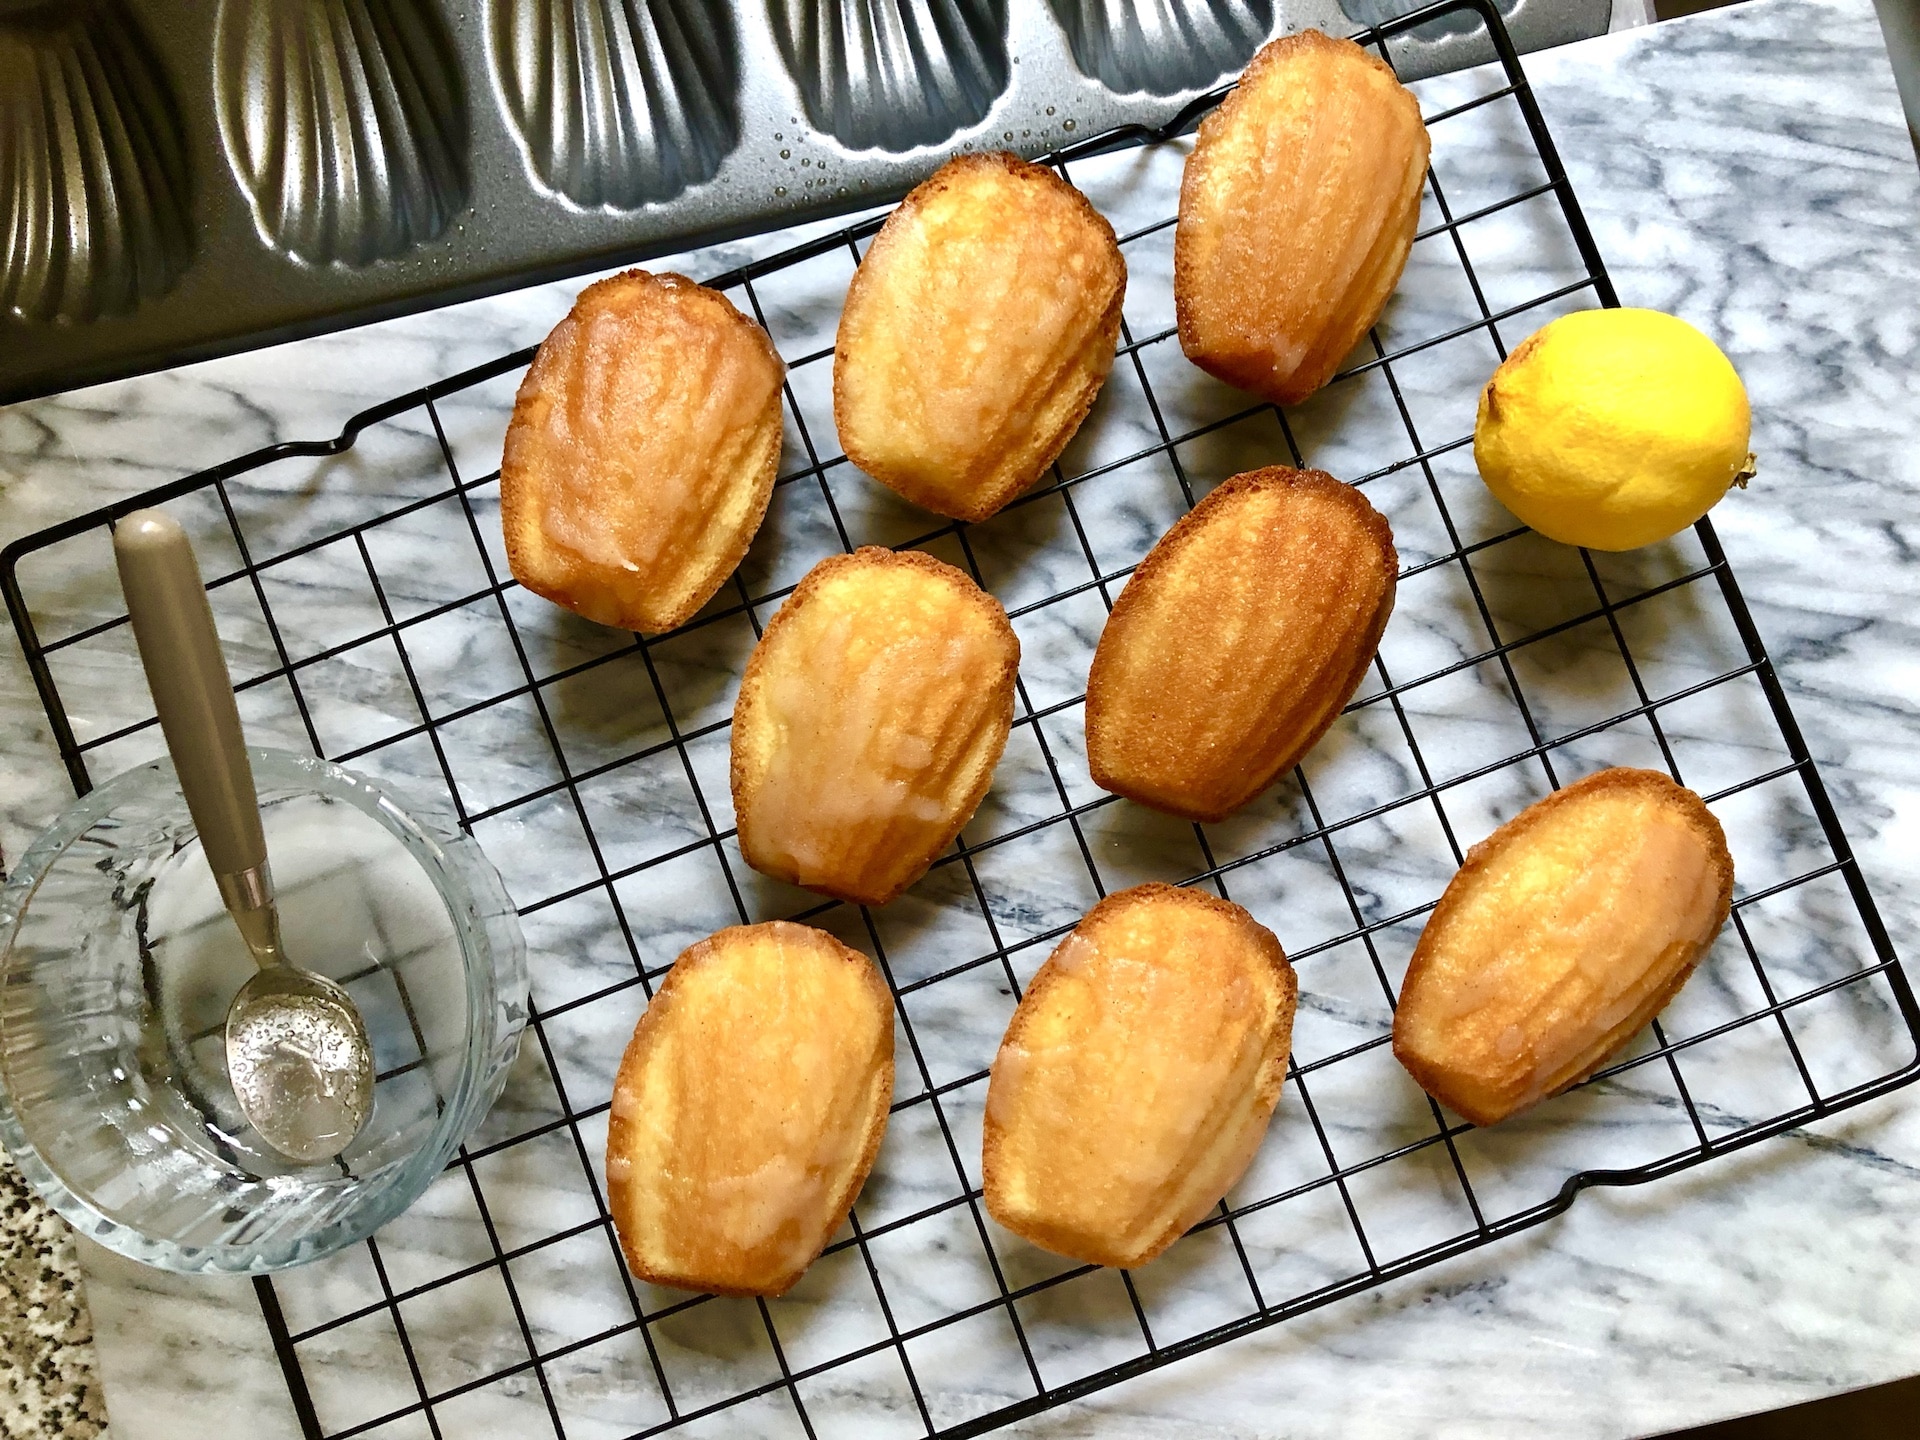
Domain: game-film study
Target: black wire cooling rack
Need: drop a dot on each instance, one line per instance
(388, 635)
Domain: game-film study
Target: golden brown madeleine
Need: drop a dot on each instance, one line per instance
(977, 331)
(1297, 211)
(1238, 641)
(748, 1109)
(1567, 929)
(641, 452)
(1137, 1077)
(869, 721)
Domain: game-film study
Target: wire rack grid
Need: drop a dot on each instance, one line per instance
(382, 630)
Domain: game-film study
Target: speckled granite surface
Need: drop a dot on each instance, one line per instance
(46, 1338)
(46, 1334)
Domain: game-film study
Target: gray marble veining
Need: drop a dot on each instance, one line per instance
(1746, 169)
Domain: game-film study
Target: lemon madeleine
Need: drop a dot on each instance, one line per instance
(869, 721)
(641, 452)
(977, 332)
(1238, 641)
(1565, 931)
(1297, 210)
(1138, 1075)
(748, 1108)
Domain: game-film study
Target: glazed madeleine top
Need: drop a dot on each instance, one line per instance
(1297, 211)
(748, 1108)
(869, 721)
(976, 333)
(1564, 932)
(642, 451)
(1138, 1074)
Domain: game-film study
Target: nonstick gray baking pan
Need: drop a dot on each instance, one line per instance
(181, 181)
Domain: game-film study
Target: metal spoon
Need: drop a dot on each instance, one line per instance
(297, 1051)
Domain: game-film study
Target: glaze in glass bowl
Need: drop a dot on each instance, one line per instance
(119, 963)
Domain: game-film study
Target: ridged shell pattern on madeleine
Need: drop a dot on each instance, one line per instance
(641, 453)
(1138, 1075)
(1238, 641)
(869, 721)
(748, 1109)
(1297, 211)
(977, 332)
(1565, 931)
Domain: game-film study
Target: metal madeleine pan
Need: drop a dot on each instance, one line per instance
(179, 182)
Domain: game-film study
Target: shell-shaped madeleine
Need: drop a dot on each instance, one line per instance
(641, 453)
(1297, 211)
(1161, 47)
(977, 332)
(619, 104)
(94, 210)
(748, 1109)
(869, 721)
(1138, 1075)
(1565, 931)
(893, 74)
(1238, 641)
(345, 122)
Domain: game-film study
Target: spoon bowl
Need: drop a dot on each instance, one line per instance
(300, 1063)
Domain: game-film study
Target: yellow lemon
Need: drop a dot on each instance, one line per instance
(1613, 428)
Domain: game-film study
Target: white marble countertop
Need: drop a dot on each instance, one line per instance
(1748, 169)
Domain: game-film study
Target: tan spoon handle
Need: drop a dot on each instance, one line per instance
(173, 626)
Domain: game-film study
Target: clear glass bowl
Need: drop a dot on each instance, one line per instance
(118, 966)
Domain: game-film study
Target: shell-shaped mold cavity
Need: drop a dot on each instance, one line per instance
(1162, 47)
(94, 200)
(894, 74)
(618, 102)
(1460, 22)
(344, 121)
